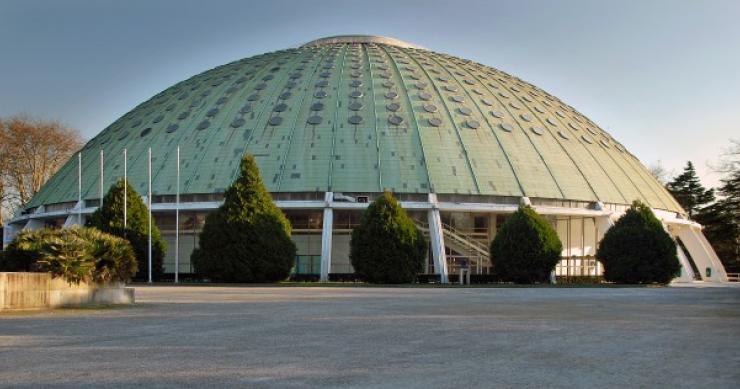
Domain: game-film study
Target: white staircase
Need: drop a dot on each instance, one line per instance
(475, 251)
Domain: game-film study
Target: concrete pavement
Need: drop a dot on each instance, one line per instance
(383, 337)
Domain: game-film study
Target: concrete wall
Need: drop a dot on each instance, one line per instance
(40, 290)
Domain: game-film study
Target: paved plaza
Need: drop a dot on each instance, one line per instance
(382, 337)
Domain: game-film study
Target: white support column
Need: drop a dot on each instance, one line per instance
(33, 224)
(326, 237)
(603, 224)
(702, 254)
(436, 236)
(687, 273)
(74, 218)
(718, 266)
(9, 233)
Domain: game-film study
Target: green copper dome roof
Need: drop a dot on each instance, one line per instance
(363, 114)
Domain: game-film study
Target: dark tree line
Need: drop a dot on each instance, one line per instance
(718, 210)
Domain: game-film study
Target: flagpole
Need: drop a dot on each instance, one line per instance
(149, 200)
(125, 192)
(101, 178)
(79, 188)
(177, 219)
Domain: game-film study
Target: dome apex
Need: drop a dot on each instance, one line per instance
(360, 39)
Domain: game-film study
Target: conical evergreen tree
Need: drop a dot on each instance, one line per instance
(637, 250)
(689, 192)
(109, 219)
(248, 238)
(387, 247)
(526, 248)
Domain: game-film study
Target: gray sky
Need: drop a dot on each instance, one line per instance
(663, 77)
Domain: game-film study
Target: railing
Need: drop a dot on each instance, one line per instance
(475, 247)
(733, 277)
(578, 266)
(474, 251)
(466, 239)
(476, 264)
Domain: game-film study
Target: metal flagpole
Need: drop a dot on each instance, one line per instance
(125, 191)
(101, 179)
(79, 188)
(177, 219)
(149, 200)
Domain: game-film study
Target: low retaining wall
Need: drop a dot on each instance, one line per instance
(40, 290)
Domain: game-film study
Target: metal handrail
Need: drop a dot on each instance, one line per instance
(461, 237)
(466, 238)
(733, 277)
(571, 269)
(477, 261)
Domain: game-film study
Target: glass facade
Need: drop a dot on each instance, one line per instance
(307, 264)
(191, 224)
(467, 238)
(579, 236)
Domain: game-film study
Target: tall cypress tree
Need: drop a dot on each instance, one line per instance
(526, 248)
(689, 192)
(109, 218)
(248, 238)
(638, 250)
(387, 247)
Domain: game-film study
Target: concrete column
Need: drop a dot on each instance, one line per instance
(75, 218)
(603, 224)
(9, 232)
(436, 236)
(33, 224)
(702, 253)
(687, 273)
(720, 268)
(326, 237)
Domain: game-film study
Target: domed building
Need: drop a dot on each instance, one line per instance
(337, 121)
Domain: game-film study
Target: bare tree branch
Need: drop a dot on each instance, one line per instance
(31, 151)
(729, 160)
(660, 173)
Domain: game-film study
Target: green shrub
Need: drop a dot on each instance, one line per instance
(109, 219)
(15, 260)
(387, 247)
(248, 238)
(115, 260)
(526, 248)
(637, 250)
(76, 254)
